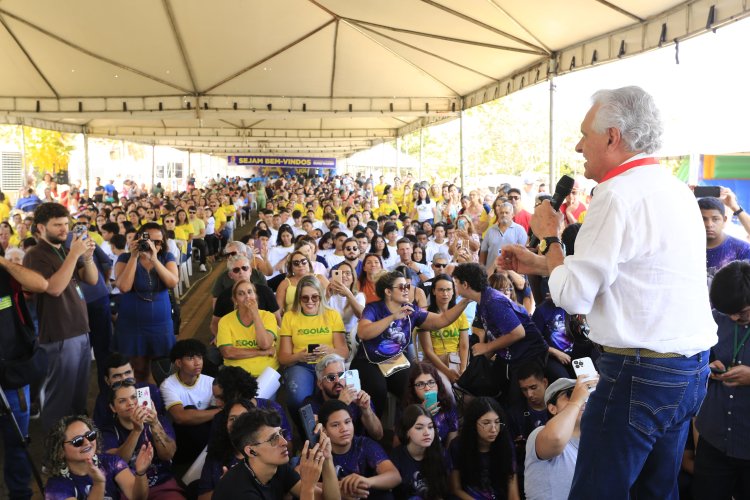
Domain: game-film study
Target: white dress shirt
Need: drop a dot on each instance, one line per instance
(639, 267)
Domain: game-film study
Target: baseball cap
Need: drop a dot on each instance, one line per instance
(556, 387)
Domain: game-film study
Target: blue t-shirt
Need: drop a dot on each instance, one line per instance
(362, 458)
(730, 249)
(499, 316)
(395, 338)
(550, 320)
(60, 488)
(115, 435)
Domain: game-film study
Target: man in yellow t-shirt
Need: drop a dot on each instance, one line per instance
(233, 333)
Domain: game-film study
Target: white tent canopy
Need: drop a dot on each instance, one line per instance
(319, 77)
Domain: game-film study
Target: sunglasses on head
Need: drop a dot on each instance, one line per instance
(77, 441)
(126, 382)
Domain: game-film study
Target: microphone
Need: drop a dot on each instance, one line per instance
(562, 190)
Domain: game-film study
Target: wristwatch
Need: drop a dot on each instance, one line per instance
(545, 244)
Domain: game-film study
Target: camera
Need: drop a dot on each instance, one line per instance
(143, 245)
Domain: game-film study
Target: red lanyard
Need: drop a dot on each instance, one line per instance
(627, 166)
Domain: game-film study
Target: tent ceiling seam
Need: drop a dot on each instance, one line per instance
(446, 38)
(92, 54)
(418, 49)
(406, 60)
(180, 44)
(28, 56)
(482, 25)
(621, 11)
(495, 4)
(333, 60)
(267, 58)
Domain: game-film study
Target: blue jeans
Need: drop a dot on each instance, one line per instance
(17, 469)
(634, 428)
(300, 383)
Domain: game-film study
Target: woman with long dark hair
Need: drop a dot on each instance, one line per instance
(372, 267)
(379, 246)
(424, 378)
(425, 209)
(420, 458)
(482, 455)
(144, 327)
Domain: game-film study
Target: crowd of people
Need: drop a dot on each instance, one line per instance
(402, 306)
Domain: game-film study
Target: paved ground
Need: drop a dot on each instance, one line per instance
(196, 317)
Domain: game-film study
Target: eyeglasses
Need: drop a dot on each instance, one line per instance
(351, 249)
(77, 441)
(310, 298)
(424, 385)
(235, 270)
(403, 286)
(333, 377)
(514, 197)
(126, 382)
(301, 262)
(491, 424)
(157, 243)
(274, 439)
(444, 290)
(439, 266)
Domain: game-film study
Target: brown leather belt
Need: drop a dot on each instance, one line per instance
(644, 353)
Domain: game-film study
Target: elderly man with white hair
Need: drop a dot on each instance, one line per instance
(638, 273)
(505, 232)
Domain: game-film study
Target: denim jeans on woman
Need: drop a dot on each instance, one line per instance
(635, 424)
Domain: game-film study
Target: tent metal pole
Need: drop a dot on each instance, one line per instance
(552, 169)
(153, 164)
(398, 153)
(421, 141)
(461, 144)
(23, 156)
(87, 171)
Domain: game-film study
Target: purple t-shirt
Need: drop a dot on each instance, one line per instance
(115, 435)
(730, 249)
(362, 458)
(499, 316)
(396, 337)
(60, 488)
(550, 320)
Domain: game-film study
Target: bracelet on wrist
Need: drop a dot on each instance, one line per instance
(140, 474)
(738, 211)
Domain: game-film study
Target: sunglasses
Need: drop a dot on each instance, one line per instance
(440, 266)
(310, 298)
(77, 441)
(403, 286)
(235, 270)
(333, 377)
(351, 249)
(301, 262)
(126, 382)
(231, 254)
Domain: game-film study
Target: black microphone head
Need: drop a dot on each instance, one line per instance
(562, 190)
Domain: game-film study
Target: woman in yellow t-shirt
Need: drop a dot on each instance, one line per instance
(247, 335)
(447, 348)
(309, 331)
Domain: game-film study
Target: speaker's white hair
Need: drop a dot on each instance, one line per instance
(633, 112)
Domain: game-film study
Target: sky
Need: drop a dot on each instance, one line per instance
(704, 100)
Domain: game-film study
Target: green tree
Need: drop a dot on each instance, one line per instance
(47, 151)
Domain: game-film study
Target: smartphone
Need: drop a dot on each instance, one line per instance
(717, 371)
(257, 244)
(336, 275)
(307, 417)
(584, 366)
(143, 395)
(707, 191)
(81, 232)
(311, 348)
(351, 377)
(430, 398)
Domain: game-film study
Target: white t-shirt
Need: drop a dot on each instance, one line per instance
(424, 211)
(339, 303)
(276, 254)
(174, 392)
(545, 479)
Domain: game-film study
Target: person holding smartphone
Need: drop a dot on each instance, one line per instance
(309, 330)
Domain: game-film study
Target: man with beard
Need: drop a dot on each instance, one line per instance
(505, 232)
(329, 371)
(68, 348)
(350, 246)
